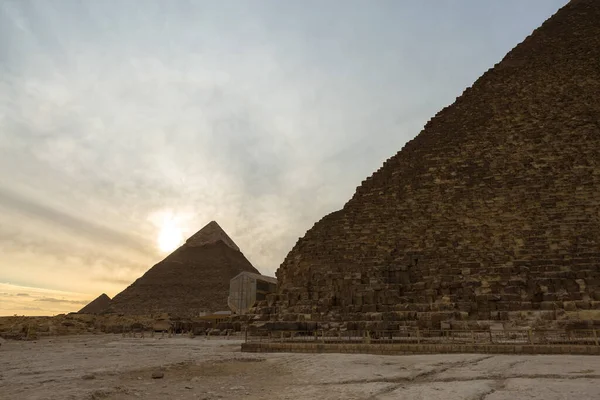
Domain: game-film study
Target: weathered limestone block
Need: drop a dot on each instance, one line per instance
(368, 297)
(369, 308)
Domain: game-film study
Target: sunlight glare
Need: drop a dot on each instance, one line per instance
(170, 236)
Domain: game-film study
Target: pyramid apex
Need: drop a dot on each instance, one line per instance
(97, 305)
(211, 233)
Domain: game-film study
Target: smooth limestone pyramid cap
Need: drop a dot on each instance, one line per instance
(210, 234)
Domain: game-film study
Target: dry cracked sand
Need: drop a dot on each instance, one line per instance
(111, 367)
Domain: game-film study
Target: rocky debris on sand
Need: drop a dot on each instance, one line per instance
(100, 394)
(158, 375)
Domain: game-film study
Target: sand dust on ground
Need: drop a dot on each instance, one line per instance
(112, 367)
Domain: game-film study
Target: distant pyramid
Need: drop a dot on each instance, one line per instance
(97, 306)
(193, 278)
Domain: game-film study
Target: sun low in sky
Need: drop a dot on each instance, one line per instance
(170, 236)
(172, 228)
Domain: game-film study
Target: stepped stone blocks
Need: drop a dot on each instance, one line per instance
(192, 279)
(493, 210)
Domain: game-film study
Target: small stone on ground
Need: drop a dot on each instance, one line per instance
(158, 375)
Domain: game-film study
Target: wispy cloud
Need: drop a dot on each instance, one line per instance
(53, 300)
(18, 299)
(77, 225)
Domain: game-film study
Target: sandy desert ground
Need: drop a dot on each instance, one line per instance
(113, 367)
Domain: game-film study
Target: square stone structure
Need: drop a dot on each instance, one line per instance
(247, 288)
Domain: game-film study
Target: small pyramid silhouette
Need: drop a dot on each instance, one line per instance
(211, 233)
(96, 306)
(193, 278)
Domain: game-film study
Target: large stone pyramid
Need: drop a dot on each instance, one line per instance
(192, 279)
(492, 210)
(96, 306)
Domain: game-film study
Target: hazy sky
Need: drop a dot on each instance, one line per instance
(120, 120)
